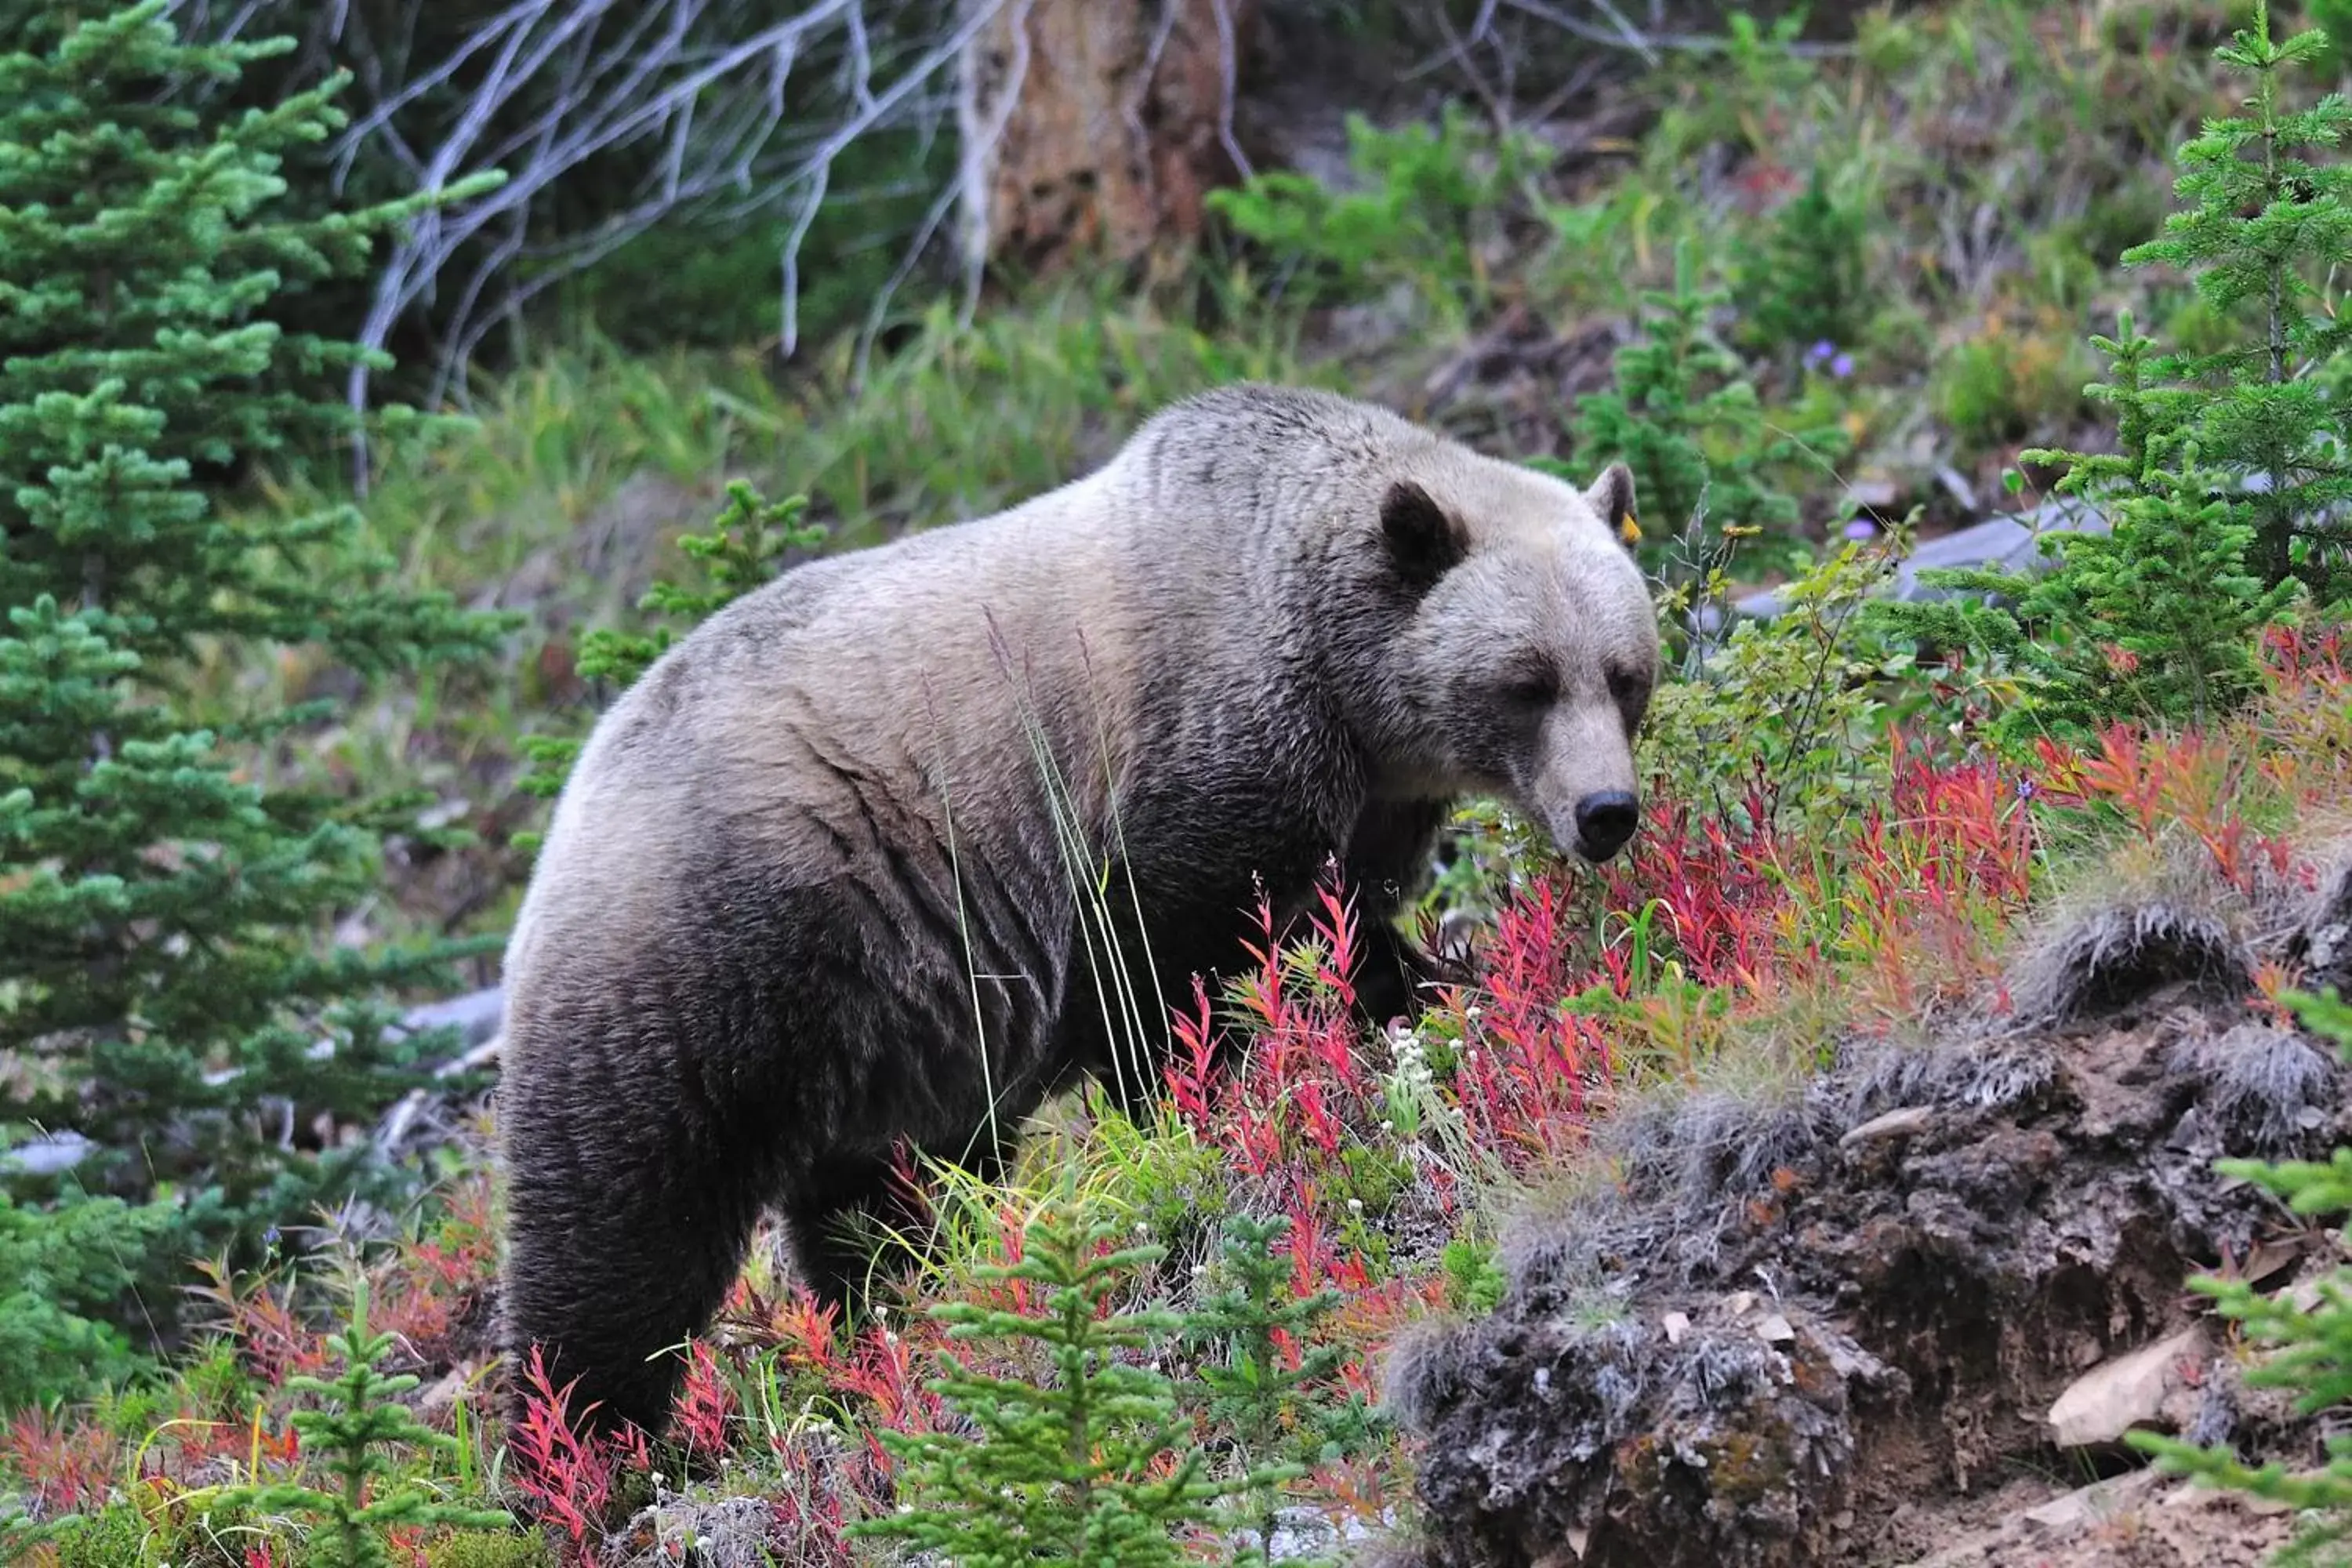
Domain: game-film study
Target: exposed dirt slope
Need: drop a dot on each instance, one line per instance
(1834, 1330)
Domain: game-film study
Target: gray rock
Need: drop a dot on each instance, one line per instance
(50, 1154)
(2128, 1390)
(2011, 542)
(476, 1016)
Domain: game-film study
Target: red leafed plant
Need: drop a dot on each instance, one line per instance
(705, 1409)
(567, 1478)
(70, 1465)
(259, 1318)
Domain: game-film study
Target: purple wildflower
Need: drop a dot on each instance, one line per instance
(1860, 528)
(1820, 352)
(1841, 366)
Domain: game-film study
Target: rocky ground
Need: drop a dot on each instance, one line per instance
(1907, 1314)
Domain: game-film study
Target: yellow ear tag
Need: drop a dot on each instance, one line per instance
(1628, 529)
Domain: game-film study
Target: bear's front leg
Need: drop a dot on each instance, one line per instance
(833, 1210)
(1398, 976)
(1386, 864)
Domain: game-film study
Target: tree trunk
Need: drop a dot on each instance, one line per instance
(1095, 128)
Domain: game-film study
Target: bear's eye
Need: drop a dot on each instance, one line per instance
(1631, 693)
(1531, 688)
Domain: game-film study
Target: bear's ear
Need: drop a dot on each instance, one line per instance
(1422, 540)
(1612, 496)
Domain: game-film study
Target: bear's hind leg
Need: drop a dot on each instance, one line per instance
(609, 1278)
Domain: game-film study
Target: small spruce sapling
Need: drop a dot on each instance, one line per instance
(1265, 1403)
(1273, 1410)
(2270, 229)
(62, 1270)
(2160, 618)
(2313, 1345)
(353, 1433)
(739, 553)
(1808, 282)
(1092, 1464)
(1685, 419)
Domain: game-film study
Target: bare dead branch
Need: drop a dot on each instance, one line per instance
(744, 106)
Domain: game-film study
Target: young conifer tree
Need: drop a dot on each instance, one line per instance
(2233, 477)
(2159, 618)
(356, 1436)
(164, 972)
(1679, 391)
(2265, 231)
(1089, 1459)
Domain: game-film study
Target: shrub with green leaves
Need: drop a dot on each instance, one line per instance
(163, 912)
(1088, 1460)
(2311, 1346)
(1425, 193)
(1475, 1280)
(1784, 719)
(126, 1535)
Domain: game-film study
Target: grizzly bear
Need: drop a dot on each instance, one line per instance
(889, 850)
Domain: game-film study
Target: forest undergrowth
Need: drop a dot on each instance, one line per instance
(1828, 302)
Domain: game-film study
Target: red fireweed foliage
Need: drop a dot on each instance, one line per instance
(420, 1290)
(258, 1316)
(1523, 1082)
(2298, 658)
(68, 1467)
(704, 1411)
(567, 1478)
(805, 1330)
(1297, 1090)
(2194, 782)
(886, 1372)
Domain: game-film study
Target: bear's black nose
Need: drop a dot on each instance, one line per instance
(1604, 820)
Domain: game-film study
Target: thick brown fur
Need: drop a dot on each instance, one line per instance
(848, 865)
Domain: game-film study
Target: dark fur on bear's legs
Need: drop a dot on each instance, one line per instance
(656, 1105)
(607, 1277)
(1388, 858)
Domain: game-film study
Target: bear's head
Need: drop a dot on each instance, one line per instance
(1528, 645)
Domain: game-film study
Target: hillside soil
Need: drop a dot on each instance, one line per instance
(1905, 1313)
